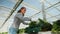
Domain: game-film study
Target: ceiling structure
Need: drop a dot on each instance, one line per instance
(35, 8)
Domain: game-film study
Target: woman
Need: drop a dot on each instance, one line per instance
(18, 19)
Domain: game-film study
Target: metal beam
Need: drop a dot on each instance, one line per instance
(30, 6)
(43, 10)
(12, 11)
(53, 7)
(6, 7)
(46, 8)
(53, 16)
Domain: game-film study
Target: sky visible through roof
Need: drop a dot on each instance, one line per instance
(33, 9)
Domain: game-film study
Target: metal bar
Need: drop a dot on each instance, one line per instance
(53, 16)
(12, 11)
(53, 7)
(6, 7)
(30, 6)
(47, 8)
(43, 10)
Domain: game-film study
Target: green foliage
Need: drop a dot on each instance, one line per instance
(45, 26)
(32, 24)
(40, 26)
(4, 33)
(35, 27)
(56, 26)
(32, 27)
(20, 31)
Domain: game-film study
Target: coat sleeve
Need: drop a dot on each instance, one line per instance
(19, 16)
(27, 19)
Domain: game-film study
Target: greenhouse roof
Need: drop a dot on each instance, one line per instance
(35, 10)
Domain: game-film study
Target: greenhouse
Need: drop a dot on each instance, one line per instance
(44, 14)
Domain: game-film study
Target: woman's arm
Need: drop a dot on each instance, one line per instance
(23, 18)
(19, 16)
(27, 19)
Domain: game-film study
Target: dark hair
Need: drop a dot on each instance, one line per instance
(20, 9)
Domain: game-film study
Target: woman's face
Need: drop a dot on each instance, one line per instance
(23, 10)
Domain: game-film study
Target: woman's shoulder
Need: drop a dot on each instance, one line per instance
(18, 14)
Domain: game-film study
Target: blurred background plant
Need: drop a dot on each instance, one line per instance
(36, 27)
(20, 31)
(4, 33)
(45, 26)
(56, 25)
(39, 26)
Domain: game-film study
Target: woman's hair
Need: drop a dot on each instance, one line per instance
(21, 9)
